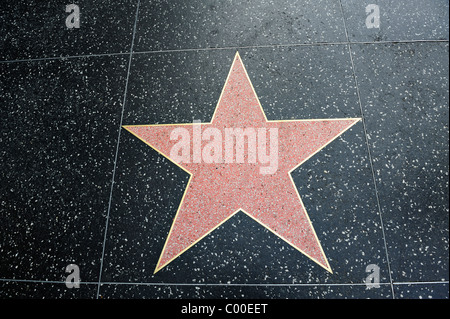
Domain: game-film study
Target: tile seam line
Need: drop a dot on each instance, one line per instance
(81, 56)
(420, 283)
(221, 284)
(238, 285)
(189, 284)
(272, 284)
(369, 153)
(186, 284)
(223, 48)
(288, 45)
(117, 150)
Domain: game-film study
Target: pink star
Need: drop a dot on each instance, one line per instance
(257, 182)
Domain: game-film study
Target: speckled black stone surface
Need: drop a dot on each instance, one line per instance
(213, 24)
(404, 89)
(37, 29)
(399, 20)
(77, 189)
(45, 290)
(59, 125)
(421, 291)
(262, 292)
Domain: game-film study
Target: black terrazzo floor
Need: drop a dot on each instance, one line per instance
(77, 189)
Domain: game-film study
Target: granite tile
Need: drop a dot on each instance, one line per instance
(60, 121)
(400, 20)
(295, 82)
(421, 291)
(37, 29)
(337, 190)
(404, 92)
(230, 293)
(169, 25)
(42, 290)
(336, 184)
(303, 82)
(217, 191)
(175, 87)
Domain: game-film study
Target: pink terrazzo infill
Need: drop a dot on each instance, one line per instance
(216, 191)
